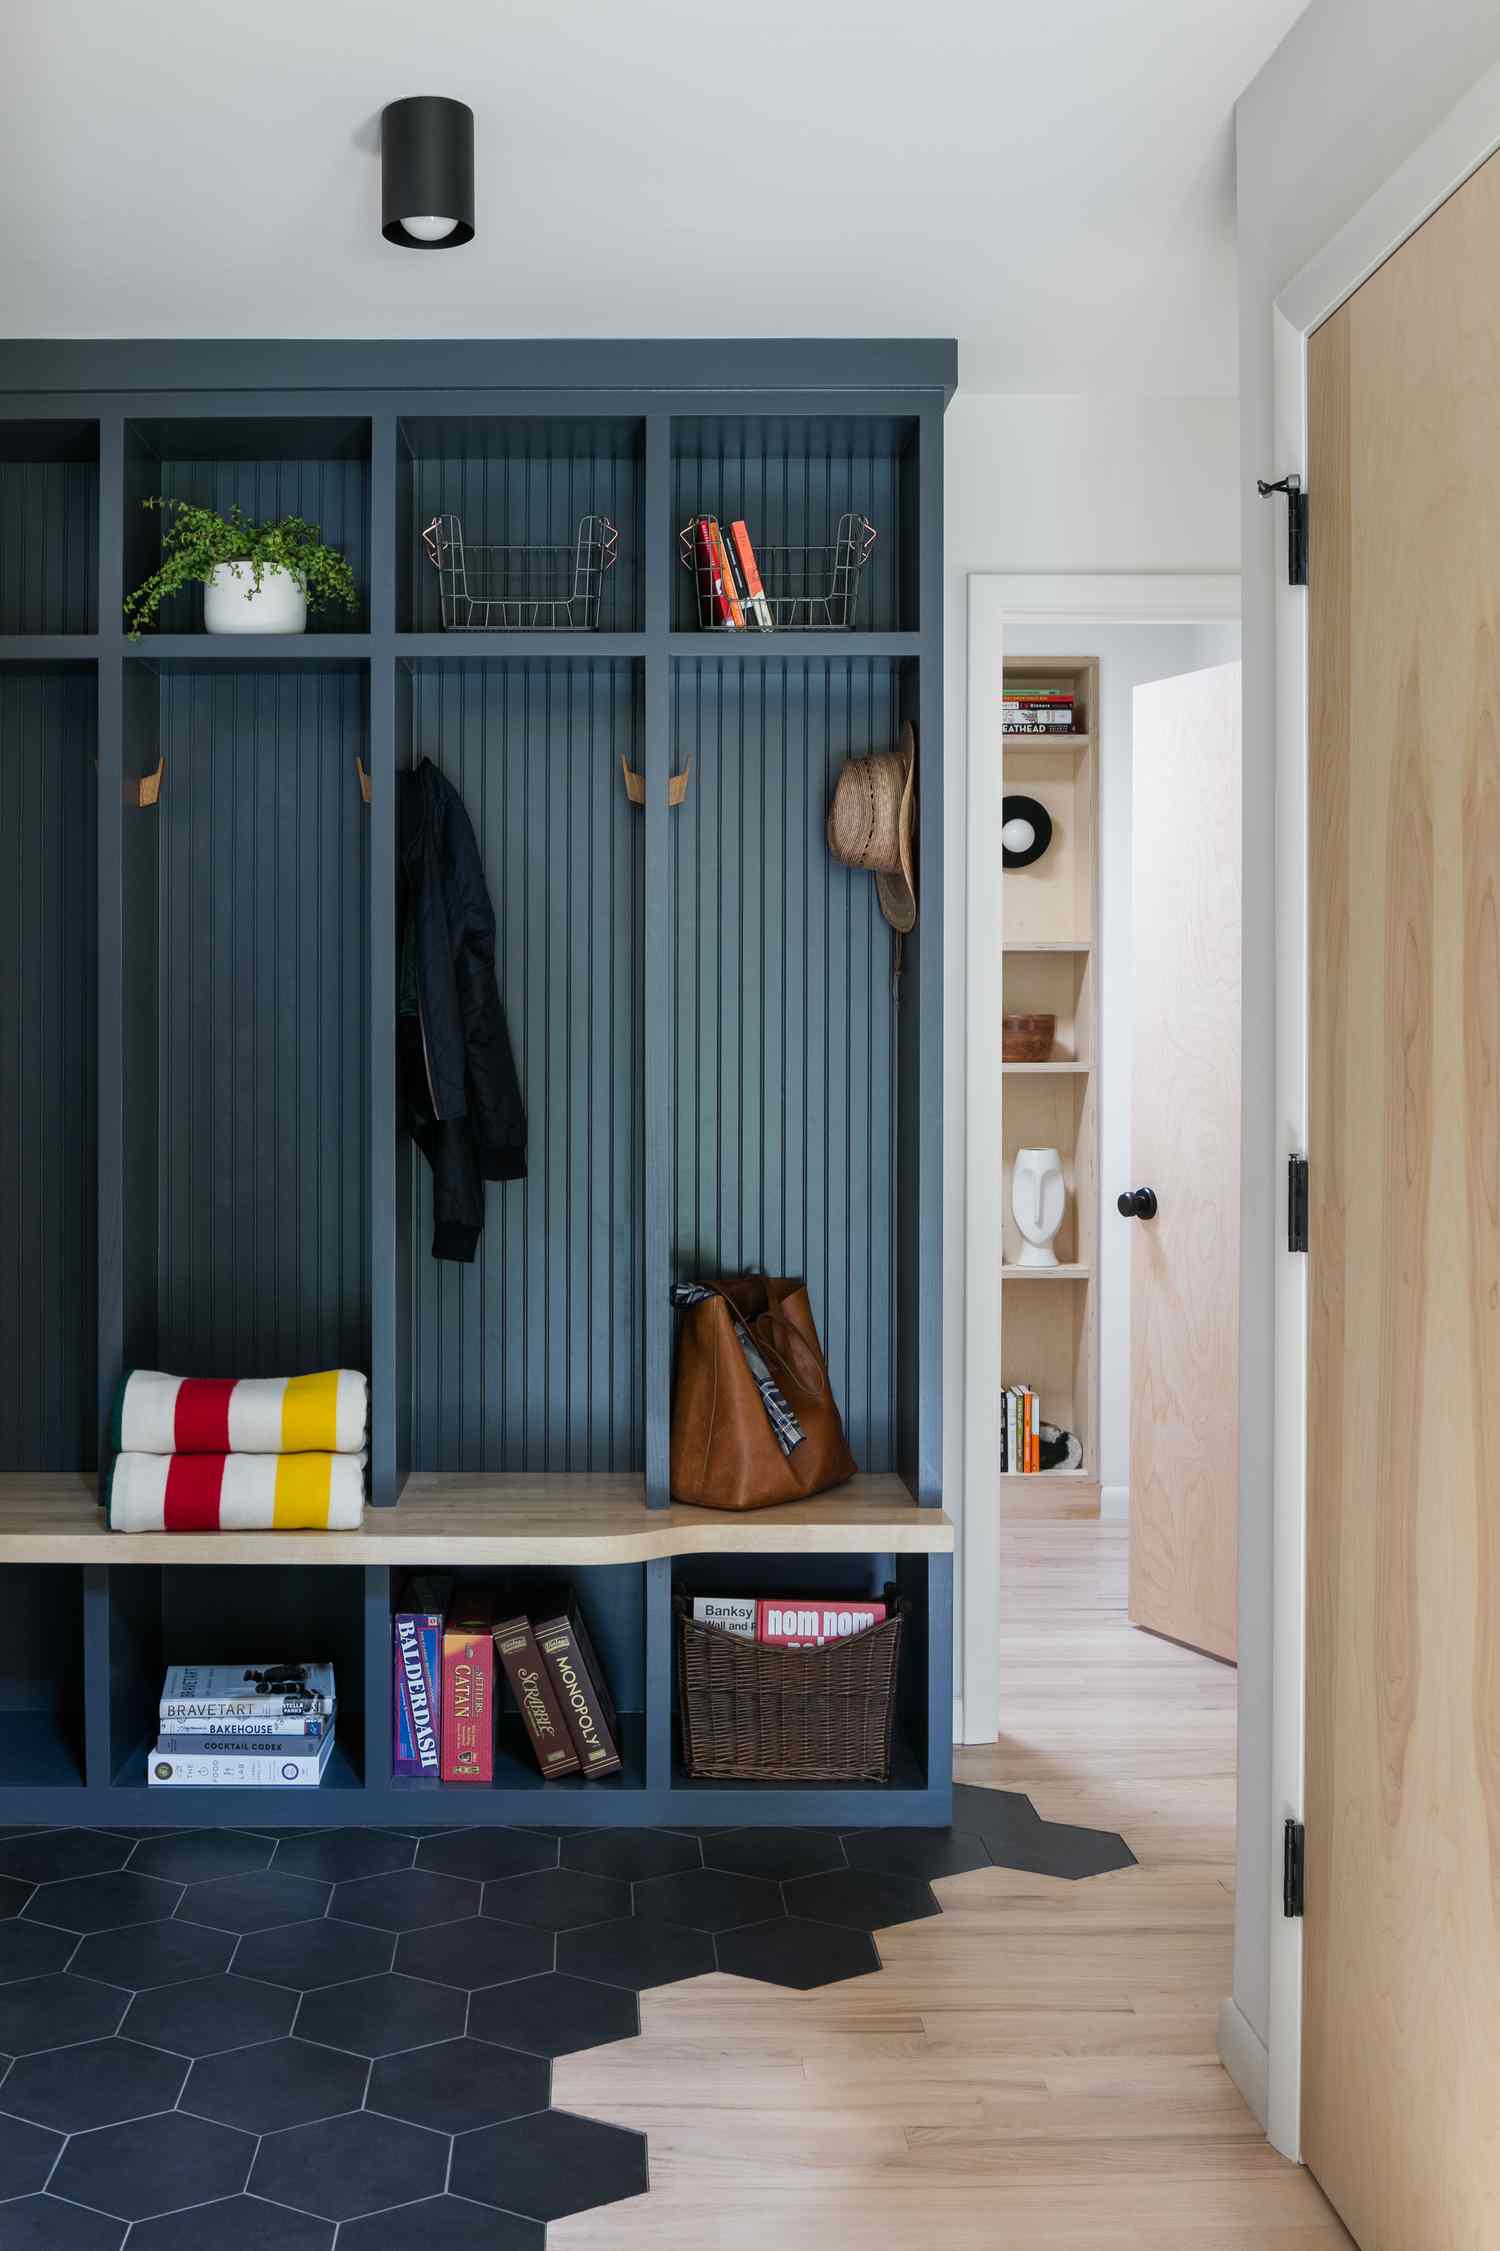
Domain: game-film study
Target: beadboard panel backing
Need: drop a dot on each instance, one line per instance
(783, 1021)
(49, 546)
(262, 1024)
(48, 1113)
(791, 478)
(521, 481)
(531, 1358)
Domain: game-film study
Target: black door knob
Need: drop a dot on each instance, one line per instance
(1138, 1203)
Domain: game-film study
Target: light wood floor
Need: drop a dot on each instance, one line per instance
(1035, 2067)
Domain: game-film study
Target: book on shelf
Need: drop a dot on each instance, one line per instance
(416, 1692)
(466, 1750)
(749, 569)
(535, 1689)
(731, 1613)
(710, 570)
(802, 1623)
(1020, 1431)
(196, 1696)
(305, 1748)
(583, 1692)
(728, 580)
(237, 1770)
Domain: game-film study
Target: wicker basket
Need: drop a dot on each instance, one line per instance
(757, 1714)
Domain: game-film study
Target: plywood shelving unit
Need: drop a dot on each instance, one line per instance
(1049, 1316)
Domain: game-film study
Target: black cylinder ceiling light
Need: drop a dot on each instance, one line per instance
(427, 172)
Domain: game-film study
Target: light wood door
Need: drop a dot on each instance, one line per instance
(1185, 1143)
(1401, 2025)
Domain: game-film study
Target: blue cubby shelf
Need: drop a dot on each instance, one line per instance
(208, 1171)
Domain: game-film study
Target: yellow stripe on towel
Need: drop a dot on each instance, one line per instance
(310, 1415)
(302, 1489)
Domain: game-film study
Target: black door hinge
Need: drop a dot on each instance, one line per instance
(1296, 524)
(1296, 1203)
(1293, 1856)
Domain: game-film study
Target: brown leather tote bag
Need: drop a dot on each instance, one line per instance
(724, 1452)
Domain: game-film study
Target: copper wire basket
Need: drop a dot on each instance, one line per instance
(752, 1713)
(520, 588)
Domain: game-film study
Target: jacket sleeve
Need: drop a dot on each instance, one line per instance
(494, 1089)
(457, 1190)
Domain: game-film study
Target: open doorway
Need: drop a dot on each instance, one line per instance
(1104, 792)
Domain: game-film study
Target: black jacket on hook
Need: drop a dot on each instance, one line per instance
(455, 1069)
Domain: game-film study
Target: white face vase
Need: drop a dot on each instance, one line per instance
(1037, 1200)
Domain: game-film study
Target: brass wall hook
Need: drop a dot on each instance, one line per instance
(635, 784)
(364, 779)
(148, 786)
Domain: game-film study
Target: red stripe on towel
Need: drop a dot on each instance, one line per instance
(200, 1420)
(191, 1502)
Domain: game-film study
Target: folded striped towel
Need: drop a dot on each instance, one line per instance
(322, 1414)
(237, 1493)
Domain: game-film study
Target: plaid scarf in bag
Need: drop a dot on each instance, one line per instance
(788, 1431)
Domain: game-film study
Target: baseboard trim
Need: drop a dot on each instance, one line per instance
(1244, 2056)
(1114, 1503)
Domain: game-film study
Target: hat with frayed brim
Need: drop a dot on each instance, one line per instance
(872, 824)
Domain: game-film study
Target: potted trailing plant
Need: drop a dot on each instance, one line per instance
(256, 578)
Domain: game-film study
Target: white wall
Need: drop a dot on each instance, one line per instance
(1354, 87)
(1038, 483)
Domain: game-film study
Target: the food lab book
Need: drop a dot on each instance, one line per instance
(214, 1746)
(731, 1613)
(193, 1694)
(234, 1771)
(786, 1624)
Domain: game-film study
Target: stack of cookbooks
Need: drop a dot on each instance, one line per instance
(449, 1645)
(1020, 1431)
(244, 1727)
(729, 576)
(1039, 709)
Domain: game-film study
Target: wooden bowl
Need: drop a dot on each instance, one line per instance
(1027, 1039)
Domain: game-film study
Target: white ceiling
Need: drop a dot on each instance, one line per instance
(1049, 182)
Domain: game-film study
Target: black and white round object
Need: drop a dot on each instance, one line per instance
(1026, 831)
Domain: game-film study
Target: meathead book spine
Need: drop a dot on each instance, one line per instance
(416, 1646)
(587, 1710)
(466, 1747)
(535, 1692)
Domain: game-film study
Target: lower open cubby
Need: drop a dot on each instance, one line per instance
(86, 1646)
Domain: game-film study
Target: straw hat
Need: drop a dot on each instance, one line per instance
(872, 824)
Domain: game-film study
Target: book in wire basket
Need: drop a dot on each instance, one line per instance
(742, 586)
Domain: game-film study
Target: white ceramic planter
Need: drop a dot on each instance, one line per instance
(232, 602)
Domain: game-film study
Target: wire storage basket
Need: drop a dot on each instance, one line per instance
(521, 588)
(775, 589)
(750, 1712)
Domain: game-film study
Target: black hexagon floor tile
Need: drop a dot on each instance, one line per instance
(480, 1951)
(31, 1950)
(1061, 1849)
(409, 1899)
(14, 1894)
(206, 2015)
(306, 1955)
(449, 2223)
(96, 2083)
(635, 1954)
(555, 2015)
(548, 2166)
(102, 1903)
(484, 1854)
(238, 2223)
(918, 1853)
(773, 1853)
(276, 2084)
(336, 1855)
(457, 2085)
(46, 2223)
(708, 1899)
(52, 2012)
(144, 1955)
(630, 1854)
(557, 1899)
(50, 1854)
(194, 1855)
(378, 2016)
(862, 1901)
(162, 2164)
(798, 1954)
(346, 2167)
(259, 1902)
(27, 2156)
